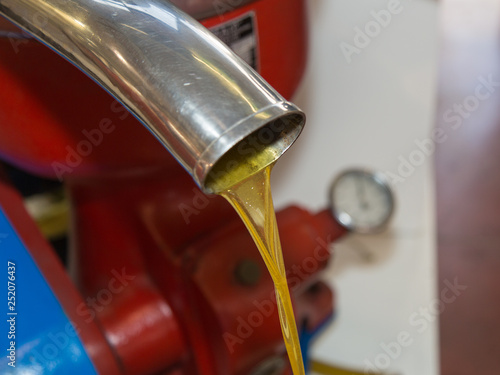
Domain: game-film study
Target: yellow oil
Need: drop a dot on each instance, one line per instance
(234, 167)
(252, 199)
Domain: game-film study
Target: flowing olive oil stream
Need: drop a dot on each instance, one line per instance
(252, 199)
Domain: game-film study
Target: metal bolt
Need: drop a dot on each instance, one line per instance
(248, 272)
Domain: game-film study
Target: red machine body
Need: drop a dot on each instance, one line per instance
(170, 280)
(187, 305)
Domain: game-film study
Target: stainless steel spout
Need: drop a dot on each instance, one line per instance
(194, 94)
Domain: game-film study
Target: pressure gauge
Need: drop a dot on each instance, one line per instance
(362, 201)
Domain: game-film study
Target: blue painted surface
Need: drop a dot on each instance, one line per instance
(45, 340)
(306, 337)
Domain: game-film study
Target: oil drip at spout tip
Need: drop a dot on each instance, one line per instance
(254, 152)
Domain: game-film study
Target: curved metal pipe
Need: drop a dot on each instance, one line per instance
(194, 94)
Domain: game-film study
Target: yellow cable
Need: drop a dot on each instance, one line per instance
(326, 369)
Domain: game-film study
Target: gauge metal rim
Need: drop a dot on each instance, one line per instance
(381, 180)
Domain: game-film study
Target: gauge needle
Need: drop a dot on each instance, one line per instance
(361, 193)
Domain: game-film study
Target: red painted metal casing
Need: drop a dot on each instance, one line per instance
(185, 307)
(182, 309)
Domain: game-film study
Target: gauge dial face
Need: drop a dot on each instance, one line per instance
(362, 201)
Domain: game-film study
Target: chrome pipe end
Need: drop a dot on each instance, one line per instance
(251, 145)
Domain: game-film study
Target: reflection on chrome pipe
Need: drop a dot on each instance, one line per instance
(194, 94)
(201, 9)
